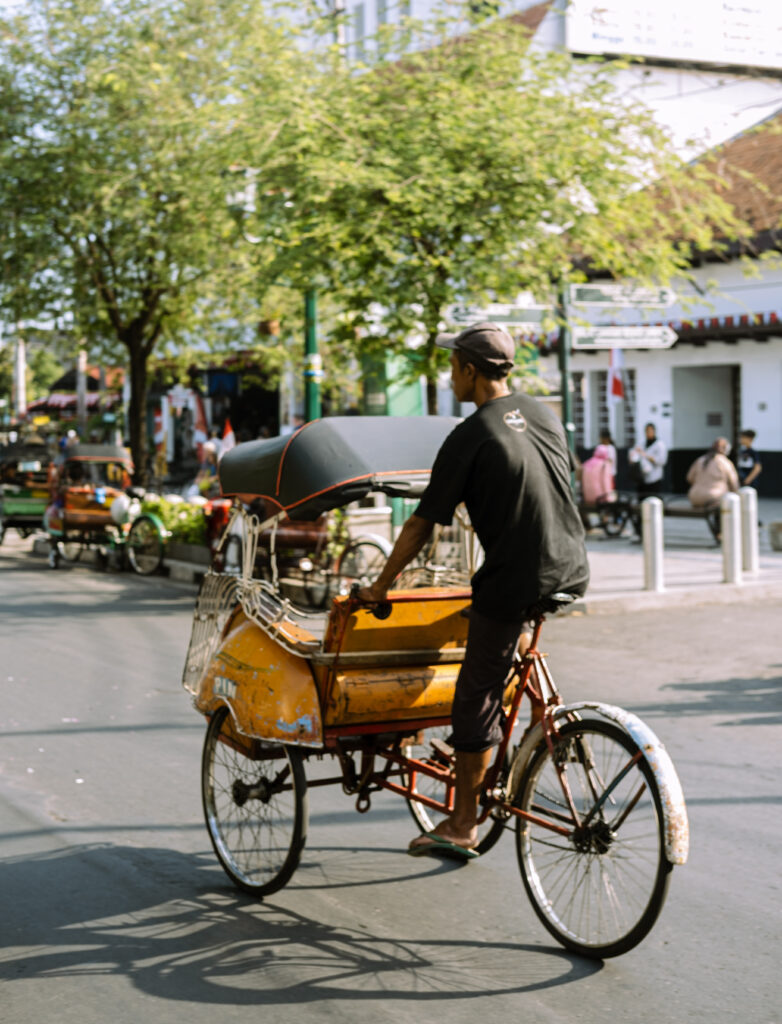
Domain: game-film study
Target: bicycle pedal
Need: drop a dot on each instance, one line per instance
(442, 752)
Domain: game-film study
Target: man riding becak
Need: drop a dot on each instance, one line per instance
(510, 465)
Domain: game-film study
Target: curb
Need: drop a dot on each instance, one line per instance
(679, 597)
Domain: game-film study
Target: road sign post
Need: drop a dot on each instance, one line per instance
(616, 293)
(602, 337)
(504, 313)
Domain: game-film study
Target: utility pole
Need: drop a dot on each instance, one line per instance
(20, 377)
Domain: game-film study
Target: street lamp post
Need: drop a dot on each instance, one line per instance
(563, 353)
(313, 364)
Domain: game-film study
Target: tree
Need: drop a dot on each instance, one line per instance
(475, 167)
(118, 125)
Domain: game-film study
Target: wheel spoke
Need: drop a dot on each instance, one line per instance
(600, 889)
(255, 810)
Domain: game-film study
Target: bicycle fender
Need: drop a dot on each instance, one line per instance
(675, 821)
(158, 523)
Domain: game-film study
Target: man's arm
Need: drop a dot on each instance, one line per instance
(753, 473)
(415, 533)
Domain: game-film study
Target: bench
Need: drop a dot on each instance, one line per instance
(615, 515)
(685, 511)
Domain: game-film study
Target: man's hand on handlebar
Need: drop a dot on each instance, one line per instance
(373, 594)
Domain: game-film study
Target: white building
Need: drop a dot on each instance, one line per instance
(724, 372)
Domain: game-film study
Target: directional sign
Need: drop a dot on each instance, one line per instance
(622, 337)
(499, 313)
(617, 294)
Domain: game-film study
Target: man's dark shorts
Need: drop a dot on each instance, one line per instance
(477, 703)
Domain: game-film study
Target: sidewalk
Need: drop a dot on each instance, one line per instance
(692, 569)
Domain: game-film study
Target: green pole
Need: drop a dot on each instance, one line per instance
(313, 366)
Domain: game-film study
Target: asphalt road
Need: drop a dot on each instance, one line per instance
(113, 906)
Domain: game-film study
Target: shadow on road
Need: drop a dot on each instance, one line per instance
(166, 922)
(750, 701)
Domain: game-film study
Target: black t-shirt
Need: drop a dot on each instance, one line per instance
(746, 458)
(509, 463)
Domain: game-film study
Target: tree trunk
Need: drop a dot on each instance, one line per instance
(431, 396)
(137, 410)
(431, 373)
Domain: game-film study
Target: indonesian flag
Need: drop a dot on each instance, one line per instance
(229, 441)
(616, 388)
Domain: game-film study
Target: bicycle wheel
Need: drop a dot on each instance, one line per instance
(599, 889)
(427, 817)
(612, 520)
(255, 804)
(145, 546)
(360, 562)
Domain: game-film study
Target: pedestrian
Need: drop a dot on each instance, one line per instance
(748, 462)
(711, 476)
(509, 463)
(647, 463)
(608, 442)
(597, 477)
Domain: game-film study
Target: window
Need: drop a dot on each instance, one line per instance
(382, 12)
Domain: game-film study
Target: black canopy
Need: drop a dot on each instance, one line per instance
(330, 462)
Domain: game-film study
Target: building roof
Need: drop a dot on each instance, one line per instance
(751, 164)
(532, 17)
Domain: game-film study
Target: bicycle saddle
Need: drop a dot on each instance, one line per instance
(550, 604)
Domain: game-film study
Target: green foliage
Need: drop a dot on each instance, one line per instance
(6, 373)
(44, 368)
(164, 187)
(474, 168)
(185, 523)
(118, 126)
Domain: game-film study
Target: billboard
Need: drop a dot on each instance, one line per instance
(741, 33)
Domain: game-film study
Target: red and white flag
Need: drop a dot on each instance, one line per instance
(616, 387)
(229, 441)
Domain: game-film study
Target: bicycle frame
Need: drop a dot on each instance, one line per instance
(543, 696)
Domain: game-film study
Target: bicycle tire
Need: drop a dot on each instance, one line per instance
(489, 832)
(257, 837)
(582, 886)
(613, 522)
(144, 546)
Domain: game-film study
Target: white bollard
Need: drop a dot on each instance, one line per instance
(750, 562)
(730, 526)
(652, 533)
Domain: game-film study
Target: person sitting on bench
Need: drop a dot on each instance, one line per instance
(711, 476)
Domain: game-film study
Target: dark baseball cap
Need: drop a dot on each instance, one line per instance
(489, 343)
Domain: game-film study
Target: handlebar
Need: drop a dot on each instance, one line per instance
(381, 610)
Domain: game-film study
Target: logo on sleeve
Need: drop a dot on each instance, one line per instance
(515, 421)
